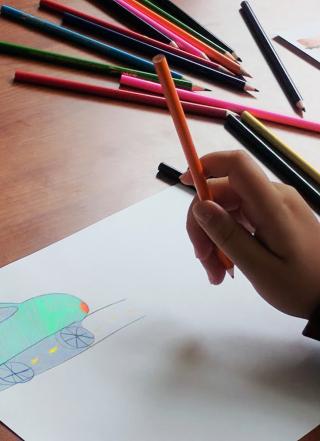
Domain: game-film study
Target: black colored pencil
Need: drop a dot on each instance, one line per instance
(169, 172)
(274, 160)
(171, 175)
(271, 56)
(146, 49)
(127, 18)
(51, 28)
(177, 12)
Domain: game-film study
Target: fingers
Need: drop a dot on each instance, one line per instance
(261, 202)
(205, 249)
(227, 198)
(245, 177)
(231, 238)
(203, 246)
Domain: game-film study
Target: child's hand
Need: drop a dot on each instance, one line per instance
(266, 228)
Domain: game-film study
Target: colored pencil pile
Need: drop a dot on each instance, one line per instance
(161, 27)
(182, 49)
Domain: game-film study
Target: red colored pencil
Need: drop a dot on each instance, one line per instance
(59, 7)
(117, 94)
(191, 39)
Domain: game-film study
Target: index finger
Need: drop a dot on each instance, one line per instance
(261, 203)
(258, 195)
(245, 176)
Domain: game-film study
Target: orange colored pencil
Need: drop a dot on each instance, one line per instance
(185, 137)
(212, 53)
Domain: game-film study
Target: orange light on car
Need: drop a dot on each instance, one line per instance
(84, 307)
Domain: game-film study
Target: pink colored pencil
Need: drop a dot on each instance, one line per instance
(279, 118)
(61, 8)
(117, 94)
(183, 44)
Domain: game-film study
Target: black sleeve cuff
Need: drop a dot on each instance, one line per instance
(312, 330)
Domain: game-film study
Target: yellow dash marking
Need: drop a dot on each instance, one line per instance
(34, 360)
(53, 350)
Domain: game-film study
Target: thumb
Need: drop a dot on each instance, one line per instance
(231, 238)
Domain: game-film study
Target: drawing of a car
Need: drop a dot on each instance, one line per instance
(43, 332)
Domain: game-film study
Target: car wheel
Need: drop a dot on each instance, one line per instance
(76, 337)
(13, 373)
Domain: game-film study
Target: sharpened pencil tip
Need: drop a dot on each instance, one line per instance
(236, 56)
(249, 88)
(173, 44)
(230, 271)
(245, 73)
(300, 106)
(196, 88)
(231, 56)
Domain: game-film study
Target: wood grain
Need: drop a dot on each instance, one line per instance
(67, 161)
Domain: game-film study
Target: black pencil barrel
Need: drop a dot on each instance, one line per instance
(150, 50)
(129, 19)
(278, 164)
(181, 15)
(169, 172)
(270, 54)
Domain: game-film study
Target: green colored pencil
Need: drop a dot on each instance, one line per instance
(85, 64)
(185, 27)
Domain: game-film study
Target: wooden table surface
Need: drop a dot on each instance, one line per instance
(67, 161)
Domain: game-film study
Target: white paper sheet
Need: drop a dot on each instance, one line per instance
(206, 363)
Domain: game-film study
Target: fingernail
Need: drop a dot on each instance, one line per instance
(211, 278)
(185, 177)
(203, 211)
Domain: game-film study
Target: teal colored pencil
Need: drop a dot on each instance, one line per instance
(85, 64)
(82, 40)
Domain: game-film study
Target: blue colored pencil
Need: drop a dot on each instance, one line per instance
(147, 49)
(104, 49)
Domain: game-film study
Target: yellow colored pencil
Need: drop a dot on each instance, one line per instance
(276, 142)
